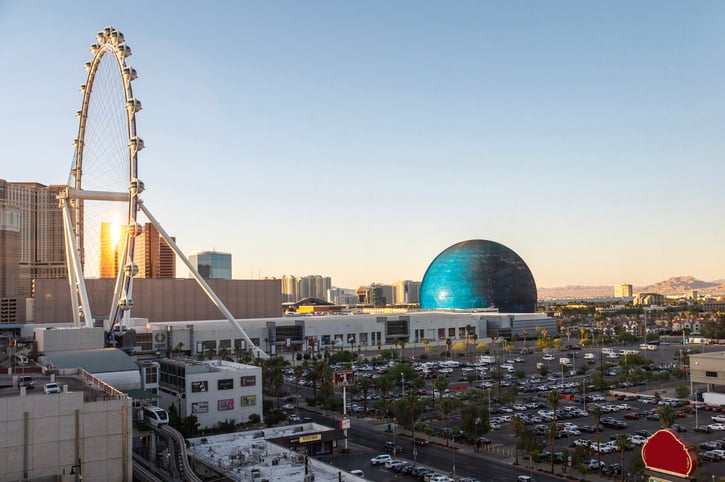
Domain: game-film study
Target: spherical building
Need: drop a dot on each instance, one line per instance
(478, 274)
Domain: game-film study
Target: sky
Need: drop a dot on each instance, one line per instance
(358, 140)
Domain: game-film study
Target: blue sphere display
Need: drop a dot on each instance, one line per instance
(478, 274)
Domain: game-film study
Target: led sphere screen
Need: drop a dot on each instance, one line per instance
(478, 274)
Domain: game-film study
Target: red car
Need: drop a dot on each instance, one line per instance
(632, 416)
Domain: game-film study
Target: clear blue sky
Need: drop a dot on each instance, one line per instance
(358, 140)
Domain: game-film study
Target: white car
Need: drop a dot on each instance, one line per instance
(637, 439)
(381, 459)
(717, 426)
(548, 356)
(718, 418)
(51, 388)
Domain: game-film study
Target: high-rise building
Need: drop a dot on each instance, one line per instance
(289, 289)
(212, 264)
(152, 254)
(407, 292)
(10, 302)
(112, 239)
(314, 286)
(623, 291)
(41, 242)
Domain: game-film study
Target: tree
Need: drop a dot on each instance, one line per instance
(364, 384)
(518, 426)
(298, 372)
(682, 391)
(554, 398)
(525, 333)
(474, 416)
(327, 388)
(439, 384)
(667, 415)
(447, 406)
(622, 442)
(597, 414)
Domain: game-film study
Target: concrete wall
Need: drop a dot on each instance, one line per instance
(163, 299)
(42, 435)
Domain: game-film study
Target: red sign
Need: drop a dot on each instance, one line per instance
(666, 451)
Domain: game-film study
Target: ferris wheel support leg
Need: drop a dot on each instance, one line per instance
(202, 283)
(81, 307)
(120, 282)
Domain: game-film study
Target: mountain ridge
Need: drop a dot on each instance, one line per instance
(676, 285)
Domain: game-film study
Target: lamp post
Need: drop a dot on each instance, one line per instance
(402, 382)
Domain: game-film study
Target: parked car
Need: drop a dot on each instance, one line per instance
(594, 464)
(711, 456)
(381, 459)
(51, 388)
(703, 429)
(612, 469)
(393, 447)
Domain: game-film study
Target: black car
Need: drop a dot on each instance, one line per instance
(679, 427)
(393, 447)
(612, 469)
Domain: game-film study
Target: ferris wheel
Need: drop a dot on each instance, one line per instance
(101, 202)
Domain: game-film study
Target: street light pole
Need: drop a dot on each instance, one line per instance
(402, 382)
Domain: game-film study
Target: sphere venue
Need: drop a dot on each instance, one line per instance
(478, 274)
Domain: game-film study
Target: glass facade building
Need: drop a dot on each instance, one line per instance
(478, 274)
(212, 265)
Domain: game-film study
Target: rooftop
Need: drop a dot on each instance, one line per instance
(251, 455)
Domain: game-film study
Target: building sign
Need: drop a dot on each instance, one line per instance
(344, 377)
(202, 386)
(345, 423)
(200, 407)
(225, 384)
(249, 381)
(249, 400)
(666, 452)
(223, 405)
(310, 438)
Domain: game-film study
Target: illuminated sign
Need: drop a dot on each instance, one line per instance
(310, 438)
(667, 452)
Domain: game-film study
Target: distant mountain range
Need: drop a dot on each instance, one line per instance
(677, 285)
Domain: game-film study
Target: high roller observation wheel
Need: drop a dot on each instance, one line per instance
(109, 55)
(110, 42)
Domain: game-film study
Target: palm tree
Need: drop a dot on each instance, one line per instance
(447, 405)
(667, 415)
(518, 426)
(553, 397)
(623, 443)
(364, 383)
(298, 372)
(597, 413)
(439, 384)
(525, 333)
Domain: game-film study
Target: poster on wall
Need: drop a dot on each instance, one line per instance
(227, 404)
(249, 400)
(249, 381)
(200, 407)
(225, 384)
(202, 386)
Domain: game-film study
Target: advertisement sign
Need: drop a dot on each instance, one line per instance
(200, 407)
(343, 377)
(249, 381)
(227, 404)
(249, 400)
(225, 384)
(202, 386)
